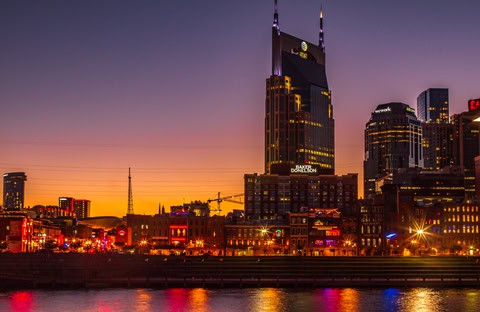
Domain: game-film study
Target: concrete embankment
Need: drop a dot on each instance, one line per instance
(112, 270)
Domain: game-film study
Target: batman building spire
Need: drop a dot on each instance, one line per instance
(275, 17)
(321, 41)
(299, 125)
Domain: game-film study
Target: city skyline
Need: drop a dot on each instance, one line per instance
(91, 89)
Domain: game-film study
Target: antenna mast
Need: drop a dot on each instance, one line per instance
(130, 196)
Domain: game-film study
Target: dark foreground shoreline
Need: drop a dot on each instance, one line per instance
(69, 271)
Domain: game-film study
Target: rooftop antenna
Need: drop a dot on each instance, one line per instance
(321, 40)
(130, 196)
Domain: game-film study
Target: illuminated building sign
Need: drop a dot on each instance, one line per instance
(121, 233)
(409, 109)
(333, 232)
(303, 169)
(473, 105)
(383, 110)
(302, 52)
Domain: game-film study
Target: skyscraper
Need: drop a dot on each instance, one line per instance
(14, 190)
(432, 110)
(299, 125)
(393, 139)
(432, 106)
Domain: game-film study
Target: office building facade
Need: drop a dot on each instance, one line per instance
(393, 139)
(273, 196)
(432, 111)
(432, 106)
(14, 190)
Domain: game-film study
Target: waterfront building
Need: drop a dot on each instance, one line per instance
(466, 143)
(177, 232)
(371, 219)
(299, 124)
(257, 238)
(460, 227)
(14, 190)
(273, 196)
(433, 106)
(393, 139)
(299, 232)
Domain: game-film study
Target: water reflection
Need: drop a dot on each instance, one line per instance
(143, 300)
(233, 300)
(22, 301)
(423, 300)
(177, 299)
(336, 299)
(198, 300)
(268, 300)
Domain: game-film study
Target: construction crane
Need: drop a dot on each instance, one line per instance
(225, 198)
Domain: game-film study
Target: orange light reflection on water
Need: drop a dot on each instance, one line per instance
(198, 300)
(268, 299)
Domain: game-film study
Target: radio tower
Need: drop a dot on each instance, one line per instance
(130, 196)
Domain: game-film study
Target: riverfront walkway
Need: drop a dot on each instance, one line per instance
(112, 270)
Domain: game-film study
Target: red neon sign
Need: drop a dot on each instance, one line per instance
(473, 105)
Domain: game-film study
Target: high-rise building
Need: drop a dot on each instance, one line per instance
(432, 106)
(466, 143)
(432, 111)
(437, 145)
(14, 190)
(82, 208)
(299, 124)
(393, 139)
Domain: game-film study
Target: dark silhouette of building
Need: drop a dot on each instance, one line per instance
(437, 145)
(299, 124)
(477, 177)
(14, 190)
(466, 144)
(432, 106)
(393, 139)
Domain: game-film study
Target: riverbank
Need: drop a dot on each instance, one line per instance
(59, 271)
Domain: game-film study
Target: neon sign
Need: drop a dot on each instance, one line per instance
(473, 105)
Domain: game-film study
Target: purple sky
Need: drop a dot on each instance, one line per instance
(175, 89)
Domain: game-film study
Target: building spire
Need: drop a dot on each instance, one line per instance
(130, 196)
(321, 41)
(276, 25)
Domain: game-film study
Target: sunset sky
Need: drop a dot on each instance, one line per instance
(175, 89)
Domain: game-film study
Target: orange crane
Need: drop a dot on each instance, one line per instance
(225, 198)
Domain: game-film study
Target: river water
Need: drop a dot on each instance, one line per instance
(260, 299)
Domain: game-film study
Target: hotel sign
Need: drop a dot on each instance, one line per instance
(473, 105)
